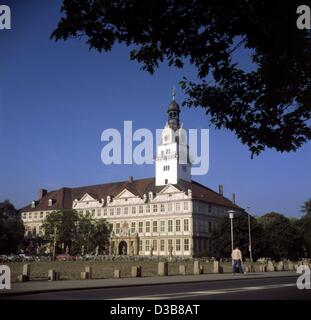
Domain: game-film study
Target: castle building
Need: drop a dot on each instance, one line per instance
(168, 214)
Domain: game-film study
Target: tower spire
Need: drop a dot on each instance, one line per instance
(174, 92)
(173, 112)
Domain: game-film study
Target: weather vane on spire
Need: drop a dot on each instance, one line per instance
(174, 92)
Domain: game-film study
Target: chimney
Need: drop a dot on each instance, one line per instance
(221, 189)
(233, 198)
(42, 193)
(131, 179)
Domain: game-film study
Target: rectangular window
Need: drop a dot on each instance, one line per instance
(41, 215)
(162, 207)
(133, 227)
(147, 226)
(209, 208)
(170, 245)
(162, 245)
(140, 227)
(36, 215)
(155, 245)
(93, 213)
(177, 225)
(210, 226)
(147, 247)
(126, 210)
(118, 211)
(99, 212)
(177, 206)
(141, 209)
(186, 225)
(147, 208)
(186, 206)
(155, 208)
(186, 244)
(111, 211)
(162, 226)
(30, 215)
(105, 211)
(155, 226)
(177, 244)
(133, 210)
(170, 206)
(117, 228)
(140, 245)
(170, 226)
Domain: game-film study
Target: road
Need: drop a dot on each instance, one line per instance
(250, 289)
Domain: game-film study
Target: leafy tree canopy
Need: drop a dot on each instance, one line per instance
(222, 236)
(76, 230)
(306, 207)
(11, 228)
(265, 107)
(282, 236)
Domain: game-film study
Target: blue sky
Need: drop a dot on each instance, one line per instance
(57, 98)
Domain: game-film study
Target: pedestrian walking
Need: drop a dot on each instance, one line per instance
(237, 260)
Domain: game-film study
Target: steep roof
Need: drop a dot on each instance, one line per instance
(63, 198)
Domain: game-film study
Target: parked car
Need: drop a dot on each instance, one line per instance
(64, 257)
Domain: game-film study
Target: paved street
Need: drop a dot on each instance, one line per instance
(265, 288)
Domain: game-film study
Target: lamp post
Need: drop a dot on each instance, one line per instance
(231, 216)
(249, 236)
(54, 243)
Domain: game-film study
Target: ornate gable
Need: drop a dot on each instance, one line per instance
(125, 193)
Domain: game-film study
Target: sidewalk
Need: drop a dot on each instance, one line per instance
(46, 286)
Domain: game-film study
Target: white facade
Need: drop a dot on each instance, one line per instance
(165, 217)
(170, 218)
(172, 162)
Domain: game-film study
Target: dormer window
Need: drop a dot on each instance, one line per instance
(33, 204)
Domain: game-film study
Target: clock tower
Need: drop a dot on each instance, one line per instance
(172, 161)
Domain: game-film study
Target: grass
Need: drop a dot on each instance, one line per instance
(70, 270)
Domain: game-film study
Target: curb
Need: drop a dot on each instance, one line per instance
(11, 294)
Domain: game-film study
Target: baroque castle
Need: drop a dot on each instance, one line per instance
(168, 214)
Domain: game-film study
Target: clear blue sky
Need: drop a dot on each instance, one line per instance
(57, 98)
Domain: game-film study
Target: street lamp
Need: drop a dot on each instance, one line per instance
(231, 216)
(54, 243)
(249, 235)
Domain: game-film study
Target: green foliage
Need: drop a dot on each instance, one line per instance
(222, 236)
(306, 207)
(76, 230)
(268, 106)
(305, 226)
(65, 223)
(282, 237)
(11, 229)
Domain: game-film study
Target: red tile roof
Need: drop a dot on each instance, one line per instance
(63, 198)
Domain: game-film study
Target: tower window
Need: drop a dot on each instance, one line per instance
(166, 181)
(166, 168)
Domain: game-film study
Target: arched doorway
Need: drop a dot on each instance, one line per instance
(122, 248)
